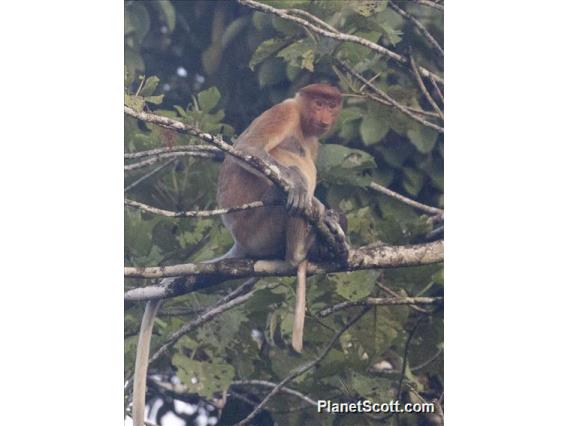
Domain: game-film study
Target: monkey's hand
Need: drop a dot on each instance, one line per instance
(298, 197)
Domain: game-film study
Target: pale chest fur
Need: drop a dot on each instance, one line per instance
(300, 152)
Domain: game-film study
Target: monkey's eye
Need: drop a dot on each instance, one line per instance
(319, 104)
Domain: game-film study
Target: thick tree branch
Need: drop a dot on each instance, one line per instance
(332, 236)
(285, 14)
(203, 275)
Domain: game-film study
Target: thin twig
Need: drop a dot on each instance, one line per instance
(267, 384)
(431, 4)
(418, 25)
(184, 148)
(285, 14)
(394, 294)
(403, 370)
(315, 19)
(423, 88)
(160, 157)
(302, 369)
(382, 101)
(148, 175)
(205, 317)
(395, 104)
(192, 213)
(438, 91)
(390, 193)
(428, 361)
(434, 233)
(381, 301)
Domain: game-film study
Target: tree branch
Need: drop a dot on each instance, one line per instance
(431, 4)
(215, 311)
(160, 157)
(381, 301)
(176, 149)
(192, 213)
(283, 389)
(402, 108)
(390, 193)
(387, 103)
(286, 15)
(203, 275)
(419, 26)
(424, 90)
(148, 175)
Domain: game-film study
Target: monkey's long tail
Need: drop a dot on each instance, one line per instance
(300, 311)
(141, 366)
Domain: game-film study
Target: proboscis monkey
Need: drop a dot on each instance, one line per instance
(285, 135)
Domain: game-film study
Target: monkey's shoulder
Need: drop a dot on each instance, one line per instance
(285, 113)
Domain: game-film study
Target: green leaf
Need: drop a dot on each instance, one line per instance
(308, 60)
(156, 100)
(150, 85)
(286, 27)
(413, 181)
(134, 102)
(299, 54)
(182, 112)
(204, 377)
(266, 49)
(261, 21)
(423, 138)
(396, 154)
(349, 114)
(392, 35)
(234, 29)
(341, 165)
(368, 8)
(136, 21)
(168, 12)
(208, 99)
(270, 72)
(356, 285)
(373, 129)
(133, 62)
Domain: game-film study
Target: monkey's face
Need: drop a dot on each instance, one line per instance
(322, 114)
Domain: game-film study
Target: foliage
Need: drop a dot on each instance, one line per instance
(217, 65)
